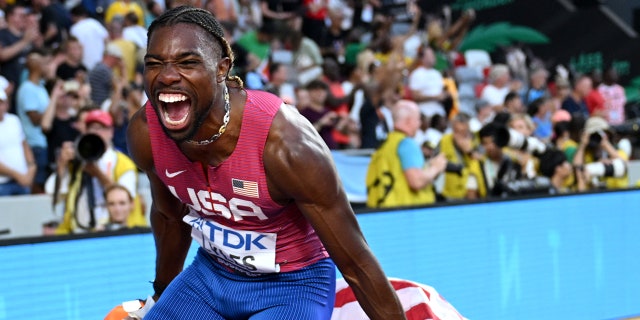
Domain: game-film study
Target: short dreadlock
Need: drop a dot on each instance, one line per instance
(201, 18)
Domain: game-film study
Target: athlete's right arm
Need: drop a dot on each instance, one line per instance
(171, 235)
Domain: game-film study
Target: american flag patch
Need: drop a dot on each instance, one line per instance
(245, 188)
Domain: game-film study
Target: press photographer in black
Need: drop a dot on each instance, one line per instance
(597, 160)
(84, 169)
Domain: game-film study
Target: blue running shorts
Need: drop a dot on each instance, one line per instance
(207, 290)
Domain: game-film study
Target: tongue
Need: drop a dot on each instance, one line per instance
(177, 110)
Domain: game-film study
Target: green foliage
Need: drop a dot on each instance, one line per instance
(632, 91)
(489, 37)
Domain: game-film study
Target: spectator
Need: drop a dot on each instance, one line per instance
(120, 205)
(258, 41)
(123, 103)
(575, 101)
(598, 162)
(459, 148)
(513, 103)
(614, 97)
(594, 100)
(128, 48)
(54, 22)
(498, 87)
(397, 175)
(367, 109)
(32, 99)
(319, 114)
(484, 115)
(333, 40)
(562, 89)
(438, 125)
(282, 14)
(254, 79)
(426, 84)
(249, 15)
(306, 60)
(72, 67)
(91, 34)
(314, 19)
(16, 41)
(522, 123)
(537, 86)
(59, 118)
(540, 112)
(223, 10)
(278, 83)
(82, 182)
(17, 165)
(348, 137)
(102, 77)
(121, 8)
(134, 32)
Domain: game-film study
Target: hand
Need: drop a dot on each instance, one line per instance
(31, 34)
(26, 179)
(584, 139)
(328, 119)
(140, 313)
(67, 153)
(57, 90)
(438, 162)
(92, 169)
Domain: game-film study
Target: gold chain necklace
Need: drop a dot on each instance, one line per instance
(225, 121)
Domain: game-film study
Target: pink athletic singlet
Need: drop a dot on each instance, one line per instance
(232, 214)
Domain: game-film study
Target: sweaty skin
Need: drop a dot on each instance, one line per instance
(185, 59)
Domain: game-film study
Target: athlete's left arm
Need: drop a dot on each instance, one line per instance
(299, 167)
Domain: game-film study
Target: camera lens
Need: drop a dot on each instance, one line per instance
(90, 147)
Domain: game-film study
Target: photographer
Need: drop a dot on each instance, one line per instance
(597, 161)
(498, 168)
(397, 175)
(85, 169)
(459, 148)
(555, 166)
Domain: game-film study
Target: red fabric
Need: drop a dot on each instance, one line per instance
(595, 102)
(317, 15)
(343, 110)
(419, 302)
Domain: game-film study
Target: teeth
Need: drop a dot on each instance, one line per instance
(171, 97)
(175, 122)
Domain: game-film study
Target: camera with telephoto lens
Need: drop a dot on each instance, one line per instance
(523, 187)
(617, 168)
(513, 139)
(90, 147)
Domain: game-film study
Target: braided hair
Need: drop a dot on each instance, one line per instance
(201, 18)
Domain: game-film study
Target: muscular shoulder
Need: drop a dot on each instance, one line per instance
(138, 141)
(295, 154)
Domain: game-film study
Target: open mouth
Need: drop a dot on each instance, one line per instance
(175, 110)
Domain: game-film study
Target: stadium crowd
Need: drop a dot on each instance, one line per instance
(378, 75)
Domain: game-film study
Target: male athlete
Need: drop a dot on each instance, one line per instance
(251, 181)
